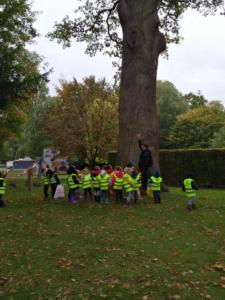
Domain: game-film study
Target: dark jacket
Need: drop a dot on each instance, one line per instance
(145, 159)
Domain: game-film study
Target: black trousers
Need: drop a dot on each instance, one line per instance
(53, 189)
(97, 195)
(2, 203)
(156, 196)
(86, 192)
(145, 174)
(46, 186)
(119, 195)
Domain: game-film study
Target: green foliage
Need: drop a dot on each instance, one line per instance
(84, 120)
(218, 140)
(195, 100)
(11, 120)
(206, 165)
(21, 127)
(33, 138)
(196, 127)
(97, 23)
(170, 104)
(56, 251)
(19, 74)
(111, 157)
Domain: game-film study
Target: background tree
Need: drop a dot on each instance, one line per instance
(170, 104)
(33, 138)
(84, 119)
(97, 23)
(11, 120)
(19, 73)
(195, 100)
(218, 140)
(196, 127)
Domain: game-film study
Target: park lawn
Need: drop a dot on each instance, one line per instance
(50, 250)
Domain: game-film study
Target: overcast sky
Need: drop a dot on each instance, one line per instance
(198, 63)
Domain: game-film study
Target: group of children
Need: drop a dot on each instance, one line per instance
(124, 185)
(100, 184)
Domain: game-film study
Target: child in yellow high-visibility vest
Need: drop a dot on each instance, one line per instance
(137, 183)
(128, 185)
(117, 184)
(96, 183)
(87, 183)
(190, 187)
(104, 186)
(2, 189)
(155, 182)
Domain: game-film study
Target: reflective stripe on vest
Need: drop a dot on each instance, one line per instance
(139, 184)
(190, 192)
(118, 184)
(45, 180)
(96, 182)
(156, 183)
(53, 180)
(3, 187)
(70, 181)
(104, 182)
(111, 174)
(86, 181)
(127, 186)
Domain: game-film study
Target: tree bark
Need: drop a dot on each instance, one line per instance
(142, 44)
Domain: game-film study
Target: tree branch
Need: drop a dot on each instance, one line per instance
(101, 12)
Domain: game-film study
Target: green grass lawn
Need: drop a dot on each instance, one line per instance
(50, 250)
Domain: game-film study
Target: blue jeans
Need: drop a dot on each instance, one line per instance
(104, 196)
(156, 196)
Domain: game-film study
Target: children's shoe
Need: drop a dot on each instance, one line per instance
(189, 207)
(2, 203)
(193, 206)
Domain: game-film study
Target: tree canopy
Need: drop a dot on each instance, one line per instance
(83, 121)
(19, 69)
(218, 140)
(196, 127)
(170, 103)
(96, 22)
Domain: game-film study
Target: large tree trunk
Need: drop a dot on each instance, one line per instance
(142, 44)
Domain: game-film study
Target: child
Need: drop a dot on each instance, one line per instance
(45, 179)
(86, 183)
(73, 185)
(128, 186)
(104, 186)
(2, 189)
(54, 181)
(117, 184)
(110, 171)
(155, 182)
(190, 187)
(137, 183)
(96, 183)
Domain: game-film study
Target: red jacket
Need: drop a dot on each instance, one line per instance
(118, 174)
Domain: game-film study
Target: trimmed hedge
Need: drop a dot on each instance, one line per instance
(207, 166)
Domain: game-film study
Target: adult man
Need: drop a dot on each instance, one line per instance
(145, 162)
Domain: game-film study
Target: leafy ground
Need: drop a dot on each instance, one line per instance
(50, 250)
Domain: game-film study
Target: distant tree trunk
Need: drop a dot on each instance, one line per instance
(142, 44)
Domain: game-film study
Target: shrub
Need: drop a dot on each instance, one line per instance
(207, 166)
